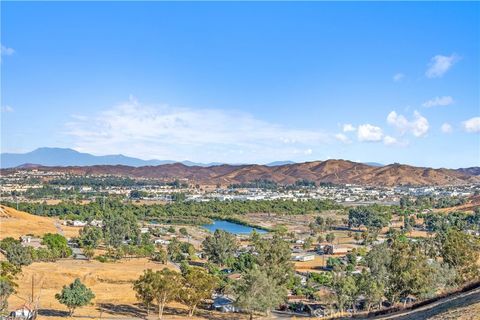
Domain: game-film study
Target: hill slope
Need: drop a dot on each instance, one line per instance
(15, 223)
(334, 171)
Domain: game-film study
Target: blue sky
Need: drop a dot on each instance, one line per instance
(244, 82)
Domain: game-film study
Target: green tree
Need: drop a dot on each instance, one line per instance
(373, 217)
(8, 273)
(346, 290)
(198, 285)
(220, 247)
(90, 237)
(409, 272)
(58, 244)
(164, 286)
(371, 288)
(89, 252)
(274, 257)
(143, 288)
(160, 256)
(257, 291)
(461, 251)
(75, 295)
(118, 227)
(183, 231)
(330, 237)
(19, 255)
(244, 262)
(320, 238)
(307, 243)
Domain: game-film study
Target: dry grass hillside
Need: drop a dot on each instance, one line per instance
(15, 223)
(111, 283)
(335, 171)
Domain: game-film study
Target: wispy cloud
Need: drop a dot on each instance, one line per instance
(7, 109)
(348, 127)
(398, 77)
(446, 128)
(342, 138)
(6, 51)
(439, 65)
(472, 125)
(183, 133)
(438, 101)
(418, 126)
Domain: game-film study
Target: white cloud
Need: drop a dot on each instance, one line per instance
(472, 125)
(308, 152)
(348, 127)
(418, 126)
(389, 141)
(342, 138)
(165, 132)
(398, 77)
(446, 128)
(6, 51)
(439, 65)
(438, 101)
(7, 109)
(369, 133)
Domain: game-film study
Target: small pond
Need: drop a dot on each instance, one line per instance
(231, 227)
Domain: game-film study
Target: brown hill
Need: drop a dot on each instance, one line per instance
(15, 223)
(334, 171)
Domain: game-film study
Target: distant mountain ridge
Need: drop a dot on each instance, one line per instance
(473, 171)
(63, 157)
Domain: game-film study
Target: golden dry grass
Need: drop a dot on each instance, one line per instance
(14, 223)
(111, 283)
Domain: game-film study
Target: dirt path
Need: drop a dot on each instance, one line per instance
(439, 307)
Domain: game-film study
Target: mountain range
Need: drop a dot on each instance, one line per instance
(334, 171)
(68, 157)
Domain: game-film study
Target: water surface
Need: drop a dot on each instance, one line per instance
(230, 227)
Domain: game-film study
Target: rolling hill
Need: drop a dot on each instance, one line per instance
(334, 171)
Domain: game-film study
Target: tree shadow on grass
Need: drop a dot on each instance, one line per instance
(138, 311)
(53, 313)
(122, 309)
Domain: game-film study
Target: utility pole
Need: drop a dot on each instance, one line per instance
(33, 287)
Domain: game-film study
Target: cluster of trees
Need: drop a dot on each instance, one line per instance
(401, 268)
(266, 270)
(424, 202)
(305, 183)
(460, 220)
(19, 255)
(272, 185)
(373, 217)
(113, 181)
(47, 191)
(120, 234)
(256, 184)
(181, 210)
(190, 288)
